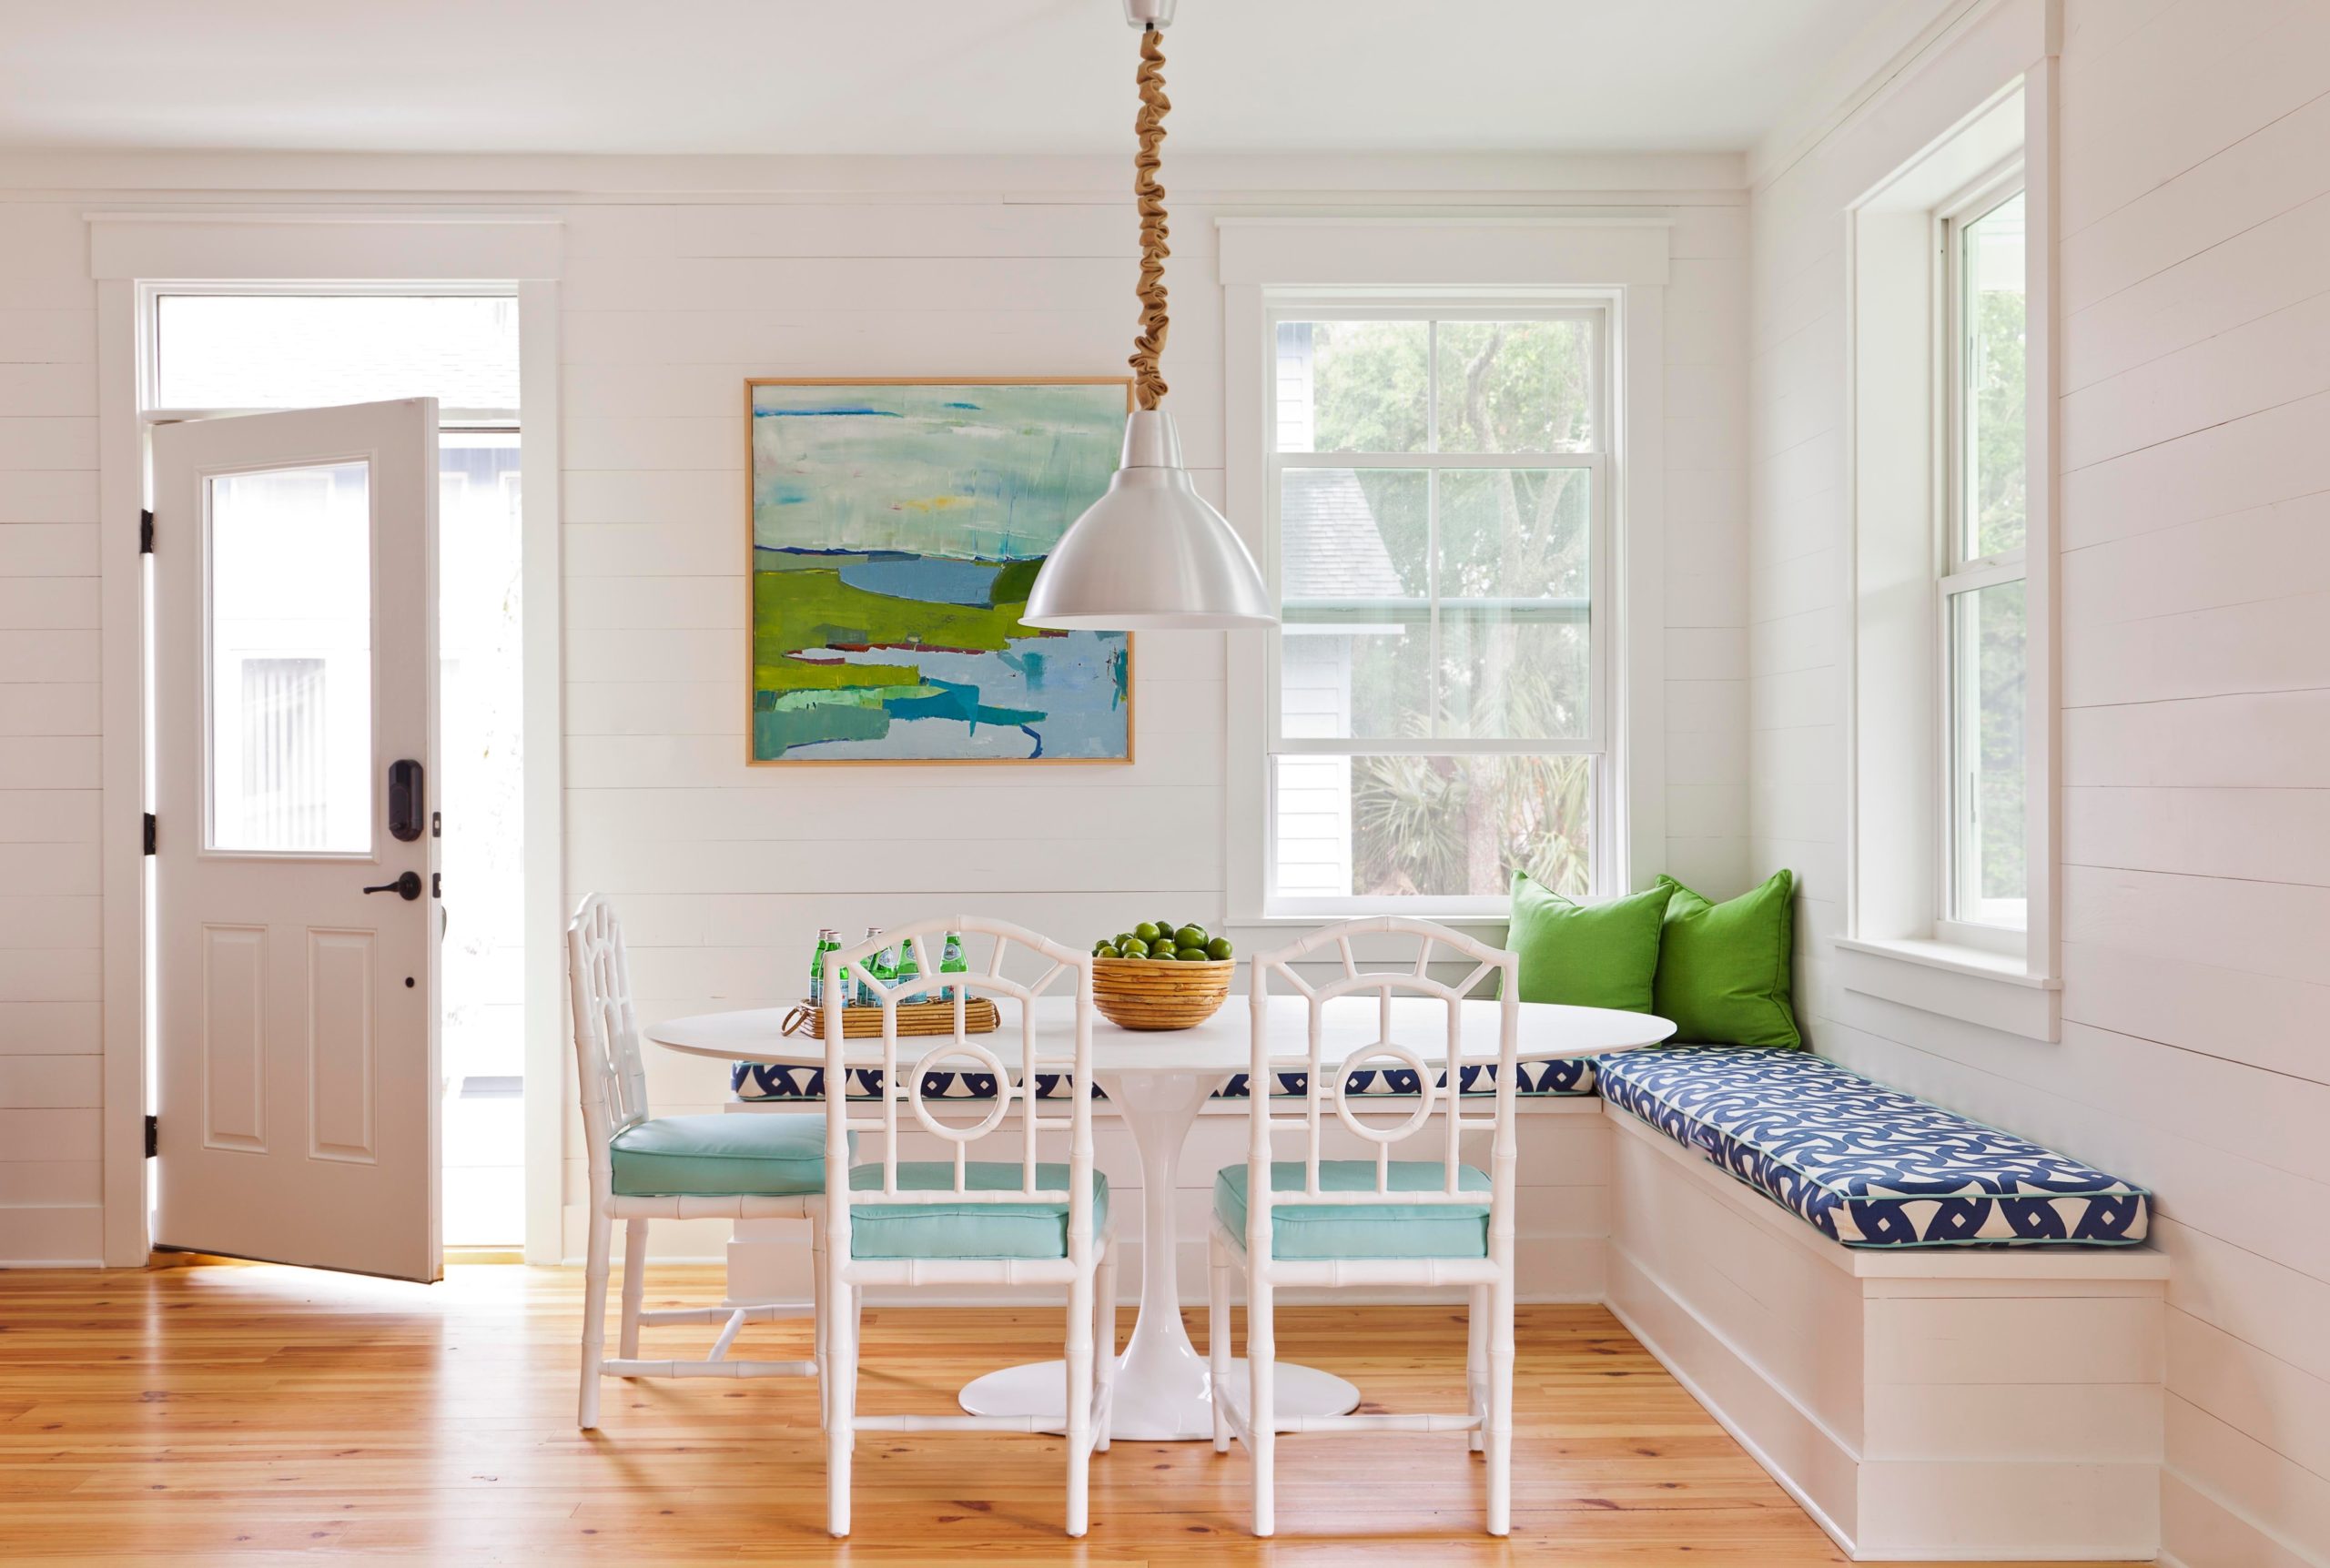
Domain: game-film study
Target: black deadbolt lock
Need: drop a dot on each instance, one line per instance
(406, 812)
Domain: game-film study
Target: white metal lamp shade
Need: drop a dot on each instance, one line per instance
(1150, 554)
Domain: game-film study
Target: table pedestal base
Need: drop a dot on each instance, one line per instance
(1144, 1412)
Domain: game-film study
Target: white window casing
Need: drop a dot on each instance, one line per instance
(1918, 930)
(1607, 267)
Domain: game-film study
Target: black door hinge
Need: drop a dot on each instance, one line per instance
(149, 833)
(153, 1136)
(146, 532)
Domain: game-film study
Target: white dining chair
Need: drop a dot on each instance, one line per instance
(744, 1166)
(958, 1222)
(1377, 1223)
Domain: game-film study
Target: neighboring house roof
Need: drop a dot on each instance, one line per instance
(1330, 547)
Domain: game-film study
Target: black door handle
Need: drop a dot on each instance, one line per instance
(407, 887)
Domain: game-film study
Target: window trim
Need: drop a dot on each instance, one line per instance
(1896, 946)
(1599, 309)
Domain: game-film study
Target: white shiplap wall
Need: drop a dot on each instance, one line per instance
(672, 297)
(49, 911)
(2195, 569)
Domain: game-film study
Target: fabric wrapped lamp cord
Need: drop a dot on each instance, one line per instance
(1151, 553)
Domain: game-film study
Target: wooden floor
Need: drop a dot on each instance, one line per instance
(248, 1414)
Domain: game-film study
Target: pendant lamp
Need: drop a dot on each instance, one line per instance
(1151, 553)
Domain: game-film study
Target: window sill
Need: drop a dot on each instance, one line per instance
(1462, 920)
(1992, 989)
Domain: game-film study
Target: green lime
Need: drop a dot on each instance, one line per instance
(1191, 955)
(1219, 948)
(1145, 932)
(1106, 951)
(1133, 947)
(1191, 936)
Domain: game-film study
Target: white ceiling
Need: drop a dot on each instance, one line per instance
(829, 76)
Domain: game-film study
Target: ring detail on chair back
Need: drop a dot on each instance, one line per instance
(1374, 1222)
(955, 1220)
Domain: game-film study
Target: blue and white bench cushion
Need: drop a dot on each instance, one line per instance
(1866, 1165)
(763, 1081)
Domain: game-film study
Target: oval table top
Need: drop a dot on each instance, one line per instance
(1547, 1030)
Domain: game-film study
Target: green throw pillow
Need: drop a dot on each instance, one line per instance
(1590, 955)
(1723, 968)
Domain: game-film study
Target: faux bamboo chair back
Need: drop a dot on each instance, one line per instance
(606, 1028)
(1408, 1036)
(1014, 1068)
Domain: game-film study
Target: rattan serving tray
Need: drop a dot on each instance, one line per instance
(979, 1018)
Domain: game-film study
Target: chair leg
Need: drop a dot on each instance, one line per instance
(1476, 1366)
(841, 1402)
(1262, 1397)
(1104, 1335)
(1500, 1449)
(634, 1284)
(594, 1312)
(1217, 1336)
(1080, 1402)
(818, 1313)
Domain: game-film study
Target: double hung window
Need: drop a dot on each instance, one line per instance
(1439, 702)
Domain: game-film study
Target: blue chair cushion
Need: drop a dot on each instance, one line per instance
(1320, 1231)
(720, 1156)
(766, 1081)
(1866, 1165)
(1032, 1229)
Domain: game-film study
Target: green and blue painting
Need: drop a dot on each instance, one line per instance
(896, 530)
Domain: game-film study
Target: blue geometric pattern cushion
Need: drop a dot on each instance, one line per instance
(762, 1080)
(1866, 1165)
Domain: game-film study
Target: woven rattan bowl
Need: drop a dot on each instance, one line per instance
(1145, 994)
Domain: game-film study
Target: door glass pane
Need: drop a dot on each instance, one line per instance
(312, 351)
(1516, 386)
(1986, 660)
(1354, 659)
(290, 652)
(1353, 387)
(1431, 826)
(1993, 396)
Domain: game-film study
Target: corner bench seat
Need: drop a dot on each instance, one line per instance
(1865, 1165)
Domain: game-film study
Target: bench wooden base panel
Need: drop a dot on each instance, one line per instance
(1960, 1406)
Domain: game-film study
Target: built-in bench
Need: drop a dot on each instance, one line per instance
(1944, 1341)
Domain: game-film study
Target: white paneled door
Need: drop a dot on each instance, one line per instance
(294, 755)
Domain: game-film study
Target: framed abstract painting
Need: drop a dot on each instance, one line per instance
(895, 528)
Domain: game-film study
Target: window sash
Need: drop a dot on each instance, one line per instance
(1965, 914)
(1429, 606)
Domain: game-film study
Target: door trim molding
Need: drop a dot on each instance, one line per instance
(336, 244)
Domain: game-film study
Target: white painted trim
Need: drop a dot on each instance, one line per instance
(1891, 50)
(1432, 251)
(1961, 983)
(1317, 178)
(121, 489)
(542, 584)
(323, 244)
(1913, 967)
(1635, 847)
